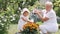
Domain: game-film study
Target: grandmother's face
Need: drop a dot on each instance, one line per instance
(48, 7)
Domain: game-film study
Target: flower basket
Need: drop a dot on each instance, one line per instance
(30, 28)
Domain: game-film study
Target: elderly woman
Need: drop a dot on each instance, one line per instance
(49, 25)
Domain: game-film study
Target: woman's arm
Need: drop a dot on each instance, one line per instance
(43, 19)
(40, 16)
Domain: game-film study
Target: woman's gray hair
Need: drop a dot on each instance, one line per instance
(49, 3)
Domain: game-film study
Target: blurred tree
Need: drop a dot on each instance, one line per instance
(3, 4)
(56, 4)
(26, 3)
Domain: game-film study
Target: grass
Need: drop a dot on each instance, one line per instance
(13, 29)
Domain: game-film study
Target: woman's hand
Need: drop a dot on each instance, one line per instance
(37, 11)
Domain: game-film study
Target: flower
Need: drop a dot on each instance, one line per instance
(5, 20)
(0, 20)
(2, 16)
(14, 14)
(11, 16)
(30, 28)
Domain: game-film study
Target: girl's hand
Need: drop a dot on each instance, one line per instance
(29, 21)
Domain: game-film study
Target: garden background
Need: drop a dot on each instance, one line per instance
(10, 12)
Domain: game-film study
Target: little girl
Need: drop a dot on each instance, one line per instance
(23, 19)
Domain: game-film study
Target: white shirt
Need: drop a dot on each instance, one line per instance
(51, 15)
(51, 24)
(21, 22)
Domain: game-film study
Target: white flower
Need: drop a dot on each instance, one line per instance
(0, 20)
(18, 11)
(11, 20)
(8, 8)
(2, 24)
(14, 15)
(19, 8)
(2, 16)
(6, 16)
(11, 16)
(5, 20)
(23, 3)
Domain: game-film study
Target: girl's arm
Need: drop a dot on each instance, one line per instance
(24, 19)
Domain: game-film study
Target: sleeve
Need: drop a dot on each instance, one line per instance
(21, 16)
(27, 18)
(50, 15)
(43, 12)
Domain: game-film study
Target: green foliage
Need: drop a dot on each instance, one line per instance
(27, 31)
(9, 12)
(6, 18)
(56, 4)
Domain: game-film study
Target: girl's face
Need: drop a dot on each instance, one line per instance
(25, 13)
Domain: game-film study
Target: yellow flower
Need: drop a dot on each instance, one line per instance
(31, 26)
